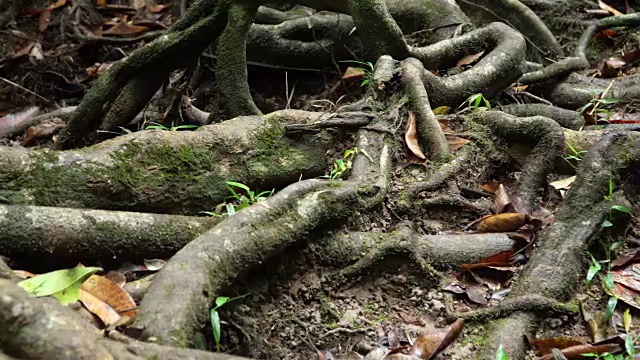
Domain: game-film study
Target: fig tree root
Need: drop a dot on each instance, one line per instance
(166, 171)
(65, 233)
(41, 328)
(201, 270)
(554, 269)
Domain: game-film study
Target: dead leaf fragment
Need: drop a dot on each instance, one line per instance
(353, 73)
(429, 344)
(505, 222)
(470, 59)
(410, 137)
(125, 29)
(104, 298)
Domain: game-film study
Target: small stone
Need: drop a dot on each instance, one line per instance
(437, 305)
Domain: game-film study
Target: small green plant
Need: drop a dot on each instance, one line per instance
(341, 166)
(156, 126)
(576, 155)
(597, 105)
(501, 354)
(612, 206)
(475, 102)
(215, 317)
(240, 200)
(366, 67)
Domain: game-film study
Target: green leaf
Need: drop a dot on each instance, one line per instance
(609, 101)
(221, 300)
(616, 245)
(593, 269)
(57, 281)
(238, 185)
(628, 345)
(501, 354)
(215, 325)
(607, 224)
(626, 320)
(230, 209)
(68, 295)
(621, 208)
(607, 283)
(611, 306)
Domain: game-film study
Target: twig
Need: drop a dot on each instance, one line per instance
(25, 89)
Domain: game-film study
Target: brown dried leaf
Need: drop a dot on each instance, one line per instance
(478, 293)
(353, 73)
(575, 352)
(113, 299)
(505, 222)
(456, 142)
(501, 200)
(40, 132)
(410, 318)
(470, 59)
(544, 346)
(410, 137)
(626, 257)
(428, 345)
(44, 19)
(124, 29)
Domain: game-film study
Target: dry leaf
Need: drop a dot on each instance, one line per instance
(563, 184)
(44, 19)
(428, 345)
(505, 222)
(456, 142)
(125, 29)
(410, 137)
(470, 59)
(544, 346)
(107, 298)
(353, 73)
(40, 132)
(575, 352)
(501, 200)
(612, 67)
(441, 110)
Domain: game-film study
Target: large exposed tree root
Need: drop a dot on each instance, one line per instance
(41, 328)
(554, 269)
(75, 234)
(202, 269)
(166, 171)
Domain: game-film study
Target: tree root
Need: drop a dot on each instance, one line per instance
(442, 251)
(40, 328)
(553, 269)
(65, 233)
(549, 141)
(516, 14)
(566, 118)
(579, 60)
(528, 303)
(497, 69)
(429, 130)
(199, 272)
(166, 171)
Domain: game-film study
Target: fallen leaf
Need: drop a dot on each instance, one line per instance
(410, 137)
(64, 284)
(44, 19)
(429, 344)
(441, 110)
(353, 73)
(501, 200)
(410, 318)
(470, 59)
(106, 298)
(626, 257)
(575, 352)
(124, 29)
(520, 88)
(456, 142)
(563, 184)
(40, 132)
(505, 222)
(544, 346)
(608, 8)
